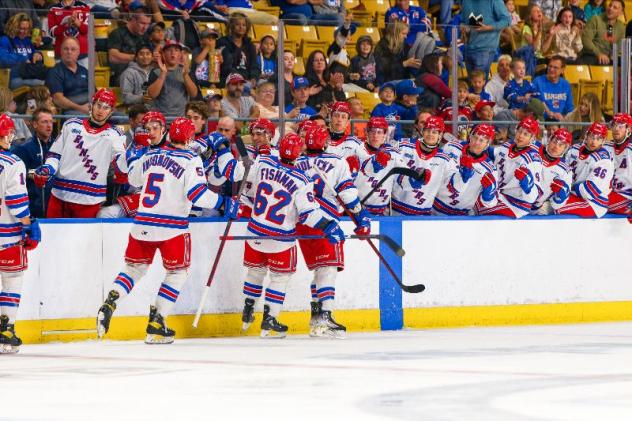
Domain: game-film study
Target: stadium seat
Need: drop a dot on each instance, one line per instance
(271, 10)
(373, 32)
(601, 73)
(299, 33)
(299, 67)
(260, 4)
(261, 30)
(49, 58)
(351, 4)
(375, 6)
(326, 33)
(103, 27)
(594, 86)
(574, 73)
(102, 76)
(102, 59)
(364, 18)
(308, 46)
(219, 27)
(291, 46)
(381, 16)
(608, 96)
(369, 99)
(5, 75)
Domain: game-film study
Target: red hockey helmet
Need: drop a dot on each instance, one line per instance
(622, 118)
(485, 130)
(563, 135)
(154, 116)
(316, 139)
(434, 122)
(6, 125)
(262, 124)
(106, 96)
(377, 123)
(306, 125)
(598, 129)
(182, 130)
(290, 146)
(341, 106)
(529, 124)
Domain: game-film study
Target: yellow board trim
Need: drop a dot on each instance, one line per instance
(519, 314)
(211, 325)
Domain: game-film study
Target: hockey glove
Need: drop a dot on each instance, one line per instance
(560, 190)
(421, 180)
(319, 185)
(217, 141)
(525, 178)
(488, 182)
(354, 165)
(333, 232)
(31, 235)
(132, 154)
(42, 175)
(142, 139)
(466, 167)
(380, 160)
(364, 223)
(231, 207)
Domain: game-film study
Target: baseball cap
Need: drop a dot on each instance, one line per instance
(235, 78)
(407, 87)
(209, 33)
(213, 94)
(387, 85)
(536, 107)
(173, 43)
(479, 106)
(300, 82)
(160, 25)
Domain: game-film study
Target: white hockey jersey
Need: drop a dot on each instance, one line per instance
(410, 201)
(348, 146)
(368, 178)
(14, 200)
(172, 180)
(283, 198)
(507, 160)
(545, 205)
(80, 159)
(459, 197)
(335, 171)
(622, 181)
(592, 176)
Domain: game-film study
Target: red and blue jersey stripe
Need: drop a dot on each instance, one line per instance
(9, 299)
(252, 290)
(81, 187)
(125, 281)
(164, 221)
(10, 230)
(273, 296)
(260, 229)
(168, 293)
(406, 209)
(595, 194)
(196, 192)
(326, 293)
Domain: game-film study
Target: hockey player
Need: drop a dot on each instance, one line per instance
(415, 197)
(19, 235)
(172, 180)
(593, 170)
(79, 160)
(322, 257)
(284, 197)
(262, 132)
(519, 168)
(474, 186)
(620, 199)
(341, 144)
(556, 175)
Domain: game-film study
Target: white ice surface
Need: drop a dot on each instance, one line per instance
(570, 372)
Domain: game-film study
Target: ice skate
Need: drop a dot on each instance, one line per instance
(157, 330)
(248, 315)
(327, 327)
(9, 342)
(270, 327)
(315, 312)
(105, 313)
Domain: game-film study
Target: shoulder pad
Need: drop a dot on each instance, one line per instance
(603, 154)
(564, 166)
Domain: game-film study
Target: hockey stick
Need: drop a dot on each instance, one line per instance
(243, 152)
(395, 170)
(406, 288)
(381, 237)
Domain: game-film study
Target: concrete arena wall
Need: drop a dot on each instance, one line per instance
(477, 271)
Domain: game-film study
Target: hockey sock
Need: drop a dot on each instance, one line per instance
(169, 291)
(313, 288)
(10, 294)
(275, 292)
(325, 286)
(253, 285)
(127, 278)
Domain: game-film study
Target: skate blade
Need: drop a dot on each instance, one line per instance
(271, 334)
(101, 330)
(245, 326)
(327, 333)
(9, 349)
(158, 339)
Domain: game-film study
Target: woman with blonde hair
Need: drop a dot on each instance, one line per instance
(18, 53)
(8, 106)
(39, 97)
(390, 54)
(589, 111)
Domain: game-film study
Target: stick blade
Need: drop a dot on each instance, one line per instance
(392, 244)
(413, 289)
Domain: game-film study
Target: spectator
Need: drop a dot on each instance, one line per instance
(484, 39)
(183, 10)
(170, 84)
(519, 91)
(414, 16)
(550, 8)
(484, 110)
(184, 28)
(124, 41)
(206, 60)
(289, 61)
(387, 107)
(477, 85)
(357, 113)
(332, 92)
(214, 105)
(420, 119)
(39, 97)
(435, 89)
(245, 6)
(103, 9)
(135, 115)
(328, 12)
(533, 34)
(390, 55)
(495, 87)
(300, 12)
(594, 8)
(267, 57)
(298, 108)
(239, 54)
(407, 95)
(318, 74)
(69, 18)
(534, 109)
(555, 91)
(589, 111)
(11, 7)
(134, 79)
(564, 38)
(68, 80)
(33, 154)
(362, 71)
(197, 112)
(226, 126)
(601, 32)
(235, 104)
(511, 8)
(157, 36)
(8, 106)
(578, 13)
(18, 53)
(265, 95)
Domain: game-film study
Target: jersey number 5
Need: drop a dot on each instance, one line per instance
(261, 203)
(152, 191)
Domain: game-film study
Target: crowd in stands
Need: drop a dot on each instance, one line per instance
(198, 58)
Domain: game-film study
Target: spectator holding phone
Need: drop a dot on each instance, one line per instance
(69, 18)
